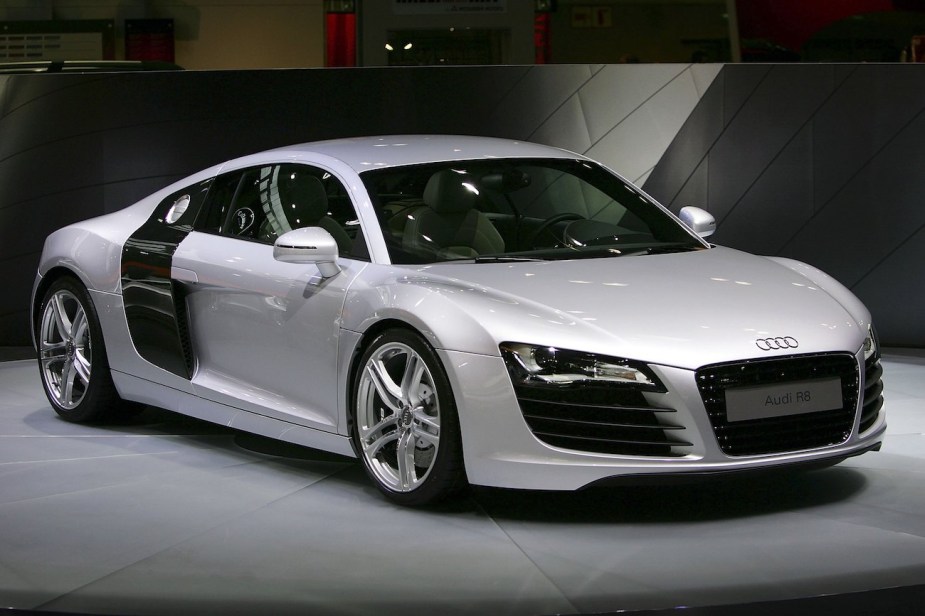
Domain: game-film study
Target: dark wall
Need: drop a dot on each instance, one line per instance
(817, 162)
(821, 163)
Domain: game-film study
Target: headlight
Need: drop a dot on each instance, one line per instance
(539, 365)
(871, 344)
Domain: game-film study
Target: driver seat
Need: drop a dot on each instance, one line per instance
(449, 225)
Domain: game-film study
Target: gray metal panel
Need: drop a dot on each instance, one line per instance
(607, 101)
(635, 143)
(533, 97)
(893, 288)
(878, 210)
(866, 111)
(777, 110)
(686, 154)
(739, 84)
(565, 127)
(696, 190)
(779, 199)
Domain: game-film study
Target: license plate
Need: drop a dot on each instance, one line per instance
(780, 399)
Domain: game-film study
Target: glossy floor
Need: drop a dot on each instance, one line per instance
(170, 515)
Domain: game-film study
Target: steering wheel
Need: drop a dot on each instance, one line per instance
(546, 224)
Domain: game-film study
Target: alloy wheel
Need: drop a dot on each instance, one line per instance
(398, 417)
(65, 352)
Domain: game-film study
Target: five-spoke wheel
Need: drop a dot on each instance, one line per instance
(72, 359)
(405, 426)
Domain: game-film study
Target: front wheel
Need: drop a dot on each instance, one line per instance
(405, 425)
(72, 358)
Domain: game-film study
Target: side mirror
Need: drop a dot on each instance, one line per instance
(700, 221)
(308, 245)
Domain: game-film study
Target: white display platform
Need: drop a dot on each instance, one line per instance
(169, 515)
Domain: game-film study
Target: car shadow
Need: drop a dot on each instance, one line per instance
(153, 421)
(711, 499)
(714, 499)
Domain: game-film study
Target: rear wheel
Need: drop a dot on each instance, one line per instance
(405, 425)
(72, 357)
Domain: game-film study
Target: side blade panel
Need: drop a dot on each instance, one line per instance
(154, 305)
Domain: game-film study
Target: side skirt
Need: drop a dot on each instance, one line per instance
(141, 390)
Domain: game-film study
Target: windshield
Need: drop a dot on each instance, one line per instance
(512, 210)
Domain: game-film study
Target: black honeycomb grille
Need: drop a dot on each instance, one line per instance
(787, 433)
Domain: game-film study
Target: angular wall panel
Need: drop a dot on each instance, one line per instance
(566, 127)
(689, 149)
(754, 137)
(696, 190)
(620, 89)
(893, 291)
(738, 87)
(635, 144)
(820, 163)
(880, 209)
(869, 108)
(781, 199)
(533, 97)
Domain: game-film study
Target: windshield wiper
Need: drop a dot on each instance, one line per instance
(669, 248)
(505, 259)
(657, 250)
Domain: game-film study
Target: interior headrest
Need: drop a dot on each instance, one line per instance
(450, 192)
(306, 201)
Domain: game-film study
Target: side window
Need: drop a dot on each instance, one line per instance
(219, 202)
(245, 218)
(180, 208)
(262, 203)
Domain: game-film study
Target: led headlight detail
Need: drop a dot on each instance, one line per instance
(871, 344)
(538, 365)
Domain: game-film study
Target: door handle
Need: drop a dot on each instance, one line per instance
(183, 275)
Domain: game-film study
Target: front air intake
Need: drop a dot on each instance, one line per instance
(601, 420)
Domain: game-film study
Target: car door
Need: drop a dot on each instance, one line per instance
(264, 334)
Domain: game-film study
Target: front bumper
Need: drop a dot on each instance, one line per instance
(501, 451)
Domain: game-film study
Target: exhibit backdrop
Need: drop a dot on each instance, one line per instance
(814, 162)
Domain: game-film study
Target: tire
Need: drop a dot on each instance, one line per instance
(72, 357)
(405, 425)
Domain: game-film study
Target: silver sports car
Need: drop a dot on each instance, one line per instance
(456, 310)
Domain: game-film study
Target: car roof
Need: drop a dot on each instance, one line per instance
(365, 153)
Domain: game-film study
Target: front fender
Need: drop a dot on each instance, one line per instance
(425, 305)
(836, 290)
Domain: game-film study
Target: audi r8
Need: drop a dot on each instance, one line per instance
(452, 311)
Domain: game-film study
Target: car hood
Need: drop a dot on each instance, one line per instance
(685, 310)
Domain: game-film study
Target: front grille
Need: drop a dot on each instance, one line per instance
(610, 420)
(873, 392)
(790, 432)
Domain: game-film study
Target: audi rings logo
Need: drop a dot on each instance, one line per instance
(775, 344)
